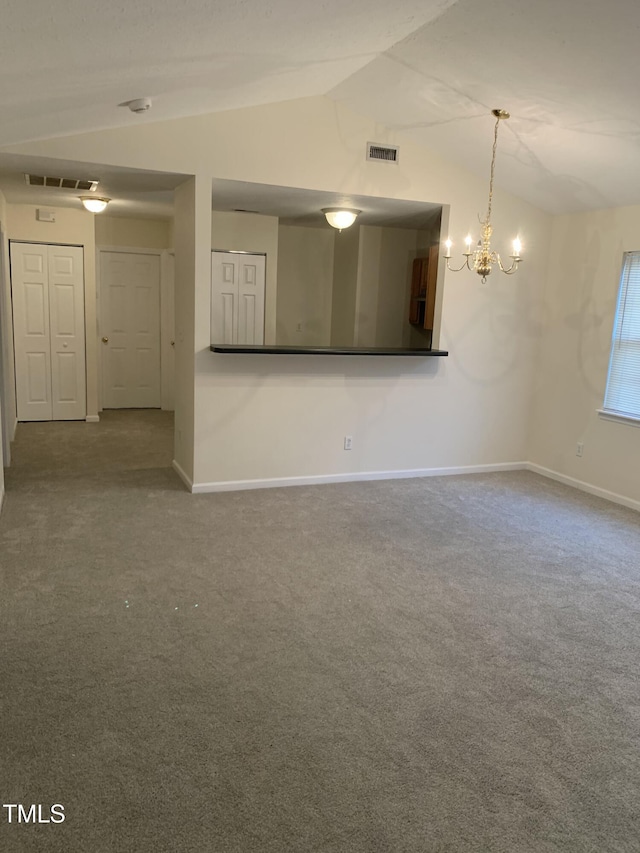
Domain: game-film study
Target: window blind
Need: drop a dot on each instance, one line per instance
(622, 395)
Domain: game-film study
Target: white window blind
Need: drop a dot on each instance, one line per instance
(622, 396)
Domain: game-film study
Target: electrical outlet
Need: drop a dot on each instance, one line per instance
(579, 448)
(348, 442)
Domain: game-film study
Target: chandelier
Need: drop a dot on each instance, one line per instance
(482, 259)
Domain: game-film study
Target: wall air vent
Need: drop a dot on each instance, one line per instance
(387, 153)
(60, 183)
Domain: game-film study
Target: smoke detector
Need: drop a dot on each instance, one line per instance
(139, 105)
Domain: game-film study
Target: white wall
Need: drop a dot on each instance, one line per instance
(195, 436)
(575, 321)
(233, 231)
(263, 417)
(305, 285)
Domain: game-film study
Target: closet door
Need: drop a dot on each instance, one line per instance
(30, 294)
(224, 298)
(66, 328)
(47, 285)
(251, 286)
(237, 297)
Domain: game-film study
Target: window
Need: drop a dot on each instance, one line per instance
(622, 397)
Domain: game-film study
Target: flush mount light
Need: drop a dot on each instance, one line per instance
(340, 217)
(94, 204)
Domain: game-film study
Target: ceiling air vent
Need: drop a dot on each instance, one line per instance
(60, 183)
(388, 153)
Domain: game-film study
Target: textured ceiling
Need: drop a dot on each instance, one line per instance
(567, 71)
(65, 67)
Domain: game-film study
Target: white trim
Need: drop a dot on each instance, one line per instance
(584, 487)
(608, 415)
(167, 331)
(183, 475)
(93, 419)
(319, 479)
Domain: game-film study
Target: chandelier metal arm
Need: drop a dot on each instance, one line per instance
(515, 260)
(465, 263)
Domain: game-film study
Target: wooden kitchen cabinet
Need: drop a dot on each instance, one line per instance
(423, 290)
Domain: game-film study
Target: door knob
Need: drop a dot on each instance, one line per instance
(173, 343)
(105, 340)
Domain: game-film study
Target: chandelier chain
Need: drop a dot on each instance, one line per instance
(493, 166)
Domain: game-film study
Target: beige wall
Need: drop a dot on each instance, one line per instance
(345, 282)
(398, 249)
(305, 284)
(574, 318)
(191, 263)
(233, 231)
(265, 417)
(74, 227)
(134, 233)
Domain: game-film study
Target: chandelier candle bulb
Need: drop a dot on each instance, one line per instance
(517, 247)
(448, 245)
(468, 241)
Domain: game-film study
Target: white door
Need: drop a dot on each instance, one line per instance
(130, 330)
(237, 298)
(48, 318)
(66, 331)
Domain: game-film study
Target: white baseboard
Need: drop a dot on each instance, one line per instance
(93, 419)
(183, 475)
(584, 487)
(319, 479)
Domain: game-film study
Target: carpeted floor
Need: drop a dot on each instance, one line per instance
(447, 664)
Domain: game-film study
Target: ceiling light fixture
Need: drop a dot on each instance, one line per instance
(94, 204)
(340, 217)
(482, 259)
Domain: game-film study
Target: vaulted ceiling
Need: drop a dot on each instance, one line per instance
(566, 70)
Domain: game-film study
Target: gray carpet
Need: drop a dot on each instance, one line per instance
(447, 664)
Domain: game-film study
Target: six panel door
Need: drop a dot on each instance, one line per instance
(47, 285)
(237, 298)
(130, 330)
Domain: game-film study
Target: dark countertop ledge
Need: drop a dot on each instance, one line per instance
(283, 350)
